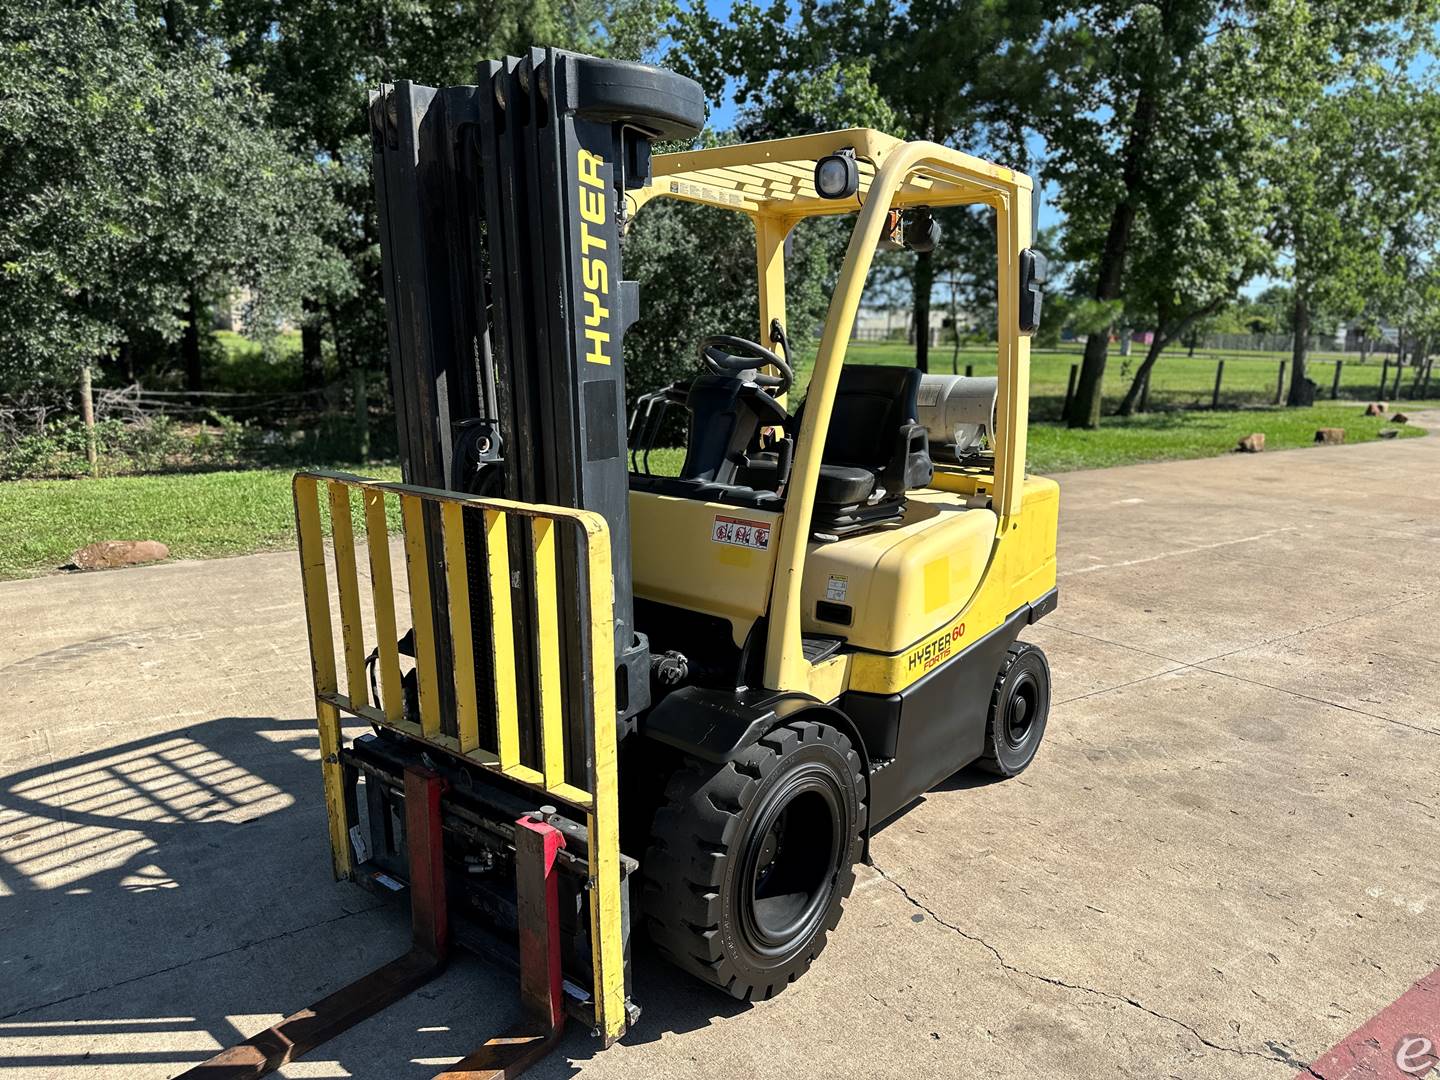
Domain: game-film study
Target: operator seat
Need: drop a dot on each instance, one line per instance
(874, 451)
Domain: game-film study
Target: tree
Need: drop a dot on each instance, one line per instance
(134, 180)
(1200, 230)
(1128, 87)
(1120, 76)
(316, 59)
(956, 72)
(1356, 200)
(696, 269)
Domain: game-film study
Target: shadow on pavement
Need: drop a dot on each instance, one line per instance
(171, 895)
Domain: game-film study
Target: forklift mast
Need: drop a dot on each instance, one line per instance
(501, 215)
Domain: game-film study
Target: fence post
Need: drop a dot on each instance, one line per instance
(1219, 374)
(1384, 374)
(1399, 367)
(1280, 385)
(87, 413)
(1335, 384)
(362, 412)
(1070, 389)
(969, 371)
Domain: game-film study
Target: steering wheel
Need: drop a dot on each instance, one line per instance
(726, 354)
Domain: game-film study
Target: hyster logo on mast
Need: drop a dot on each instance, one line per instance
(594, 270)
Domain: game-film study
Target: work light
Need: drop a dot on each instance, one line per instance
(837, 176)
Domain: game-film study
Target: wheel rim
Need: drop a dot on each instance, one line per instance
(787, 873)
(1021, 710)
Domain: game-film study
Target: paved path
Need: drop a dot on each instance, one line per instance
(1224, 859)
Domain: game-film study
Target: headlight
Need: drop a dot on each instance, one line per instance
(837, 176)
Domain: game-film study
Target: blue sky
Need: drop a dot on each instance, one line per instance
(1045, 212)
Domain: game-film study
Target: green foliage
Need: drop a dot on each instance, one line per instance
(154, 444)
(317, 59)
(135, 174)
(243, 365)
(696, 269)
(1176, 132)
(953, 71)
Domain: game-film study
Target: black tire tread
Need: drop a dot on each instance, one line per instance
(697, 822)
(990, 760)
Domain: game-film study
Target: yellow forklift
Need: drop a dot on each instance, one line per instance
(607, 698)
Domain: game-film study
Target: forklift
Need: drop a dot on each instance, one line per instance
(610, 699)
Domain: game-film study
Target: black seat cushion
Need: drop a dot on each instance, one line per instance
(844, 485)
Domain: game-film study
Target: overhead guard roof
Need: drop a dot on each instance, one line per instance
(777, 176)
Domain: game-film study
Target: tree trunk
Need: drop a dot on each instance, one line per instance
(190, 344)
(312, 364)
(1301, 323)
(342, 355)
(1420, 355)
(1084, 409)
(1142, 376)
(1167, 329)
(924, 283)
(87, 414)
(954, 330)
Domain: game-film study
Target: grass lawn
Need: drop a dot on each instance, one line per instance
(228, 513)
(1177, 380)
(198, 515)
(1172, 436)
(1175, 435)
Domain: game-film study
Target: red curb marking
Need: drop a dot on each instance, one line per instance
(1401, 1042)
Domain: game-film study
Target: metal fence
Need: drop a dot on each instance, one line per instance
(135, 402)
(1347, 343)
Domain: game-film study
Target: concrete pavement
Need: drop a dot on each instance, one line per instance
(1223, 860)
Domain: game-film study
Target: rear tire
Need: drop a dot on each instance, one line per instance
(749, 861)
(1019, 708)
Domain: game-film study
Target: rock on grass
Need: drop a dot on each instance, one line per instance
(108, 554)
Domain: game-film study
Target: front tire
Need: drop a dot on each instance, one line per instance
(749, 861)
(1019, 708)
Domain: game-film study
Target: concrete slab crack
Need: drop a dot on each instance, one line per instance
(1317, 700)
(1277, 1057)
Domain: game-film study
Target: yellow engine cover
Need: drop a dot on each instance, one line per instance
(900, 583)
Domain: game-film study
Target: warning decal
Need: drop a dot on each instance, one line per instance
(741, 532)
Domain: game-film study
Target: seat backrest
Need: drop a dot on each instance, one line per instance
(872, 404)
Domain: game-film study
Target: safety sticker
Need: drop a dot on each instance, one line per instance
(741, 532)
(837, 587)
